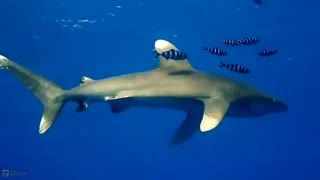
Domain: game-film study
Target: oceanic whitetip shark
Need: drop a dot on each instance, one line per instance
(205, 98)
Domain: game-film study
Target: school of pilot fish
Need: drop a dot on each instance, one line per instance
(246, 41)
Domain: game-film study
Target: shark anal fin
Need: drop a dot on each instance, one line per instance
(85, 79)
(170, 65)
(190, 125)
(82, 106)
(117, 106)
(214, 111)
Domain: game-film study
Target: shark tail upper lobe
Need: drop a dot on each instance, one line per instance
(50, 94)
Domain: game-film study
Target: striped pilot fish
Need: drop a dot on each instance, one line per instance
(172, 54)
(215, 50)
(231, 42)
(235, 68)
(249, 40)
(268, 52)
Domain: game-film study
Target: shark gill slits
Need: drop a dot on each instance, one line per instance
(215, 50)
(235, 68)
(249, 40)
(173, 54)
(267, 52)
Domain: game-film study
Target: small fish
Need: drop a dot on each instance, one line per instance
(231, 42)
(172, 54)
(215, 50)
(235, 68)
(268, 52)
(249, 40)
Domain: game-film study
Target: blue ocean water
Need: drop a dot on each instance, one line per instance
(66, 39)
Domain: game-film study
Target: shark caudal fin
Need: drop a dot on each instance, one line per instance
(46, 91)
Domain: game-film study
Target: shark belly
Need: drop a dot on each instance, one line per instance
(184, 104)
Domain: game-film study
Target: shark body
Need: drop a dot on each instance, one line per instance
(206, 98)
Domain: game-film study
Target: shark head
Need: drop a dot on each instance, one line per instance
(268, 105)
(256, 106)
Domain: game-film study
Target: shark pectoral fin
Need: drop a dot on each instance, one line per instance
(85, 79)
(171, 65)
(120, 105)
(215, 109)
(189, 126)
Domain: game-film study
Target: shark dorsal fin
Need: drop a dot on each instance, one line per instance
(214, 111)
(168, 64)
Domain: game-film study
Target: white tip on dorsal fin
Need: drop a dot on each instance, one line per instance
(85, 79)
(214, 112)
(172, 65)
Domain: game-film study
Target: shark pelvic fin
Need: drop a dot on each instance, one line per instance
(117, 106)
(85, 79)
(214, 112)
(171, 65)
(122, 95)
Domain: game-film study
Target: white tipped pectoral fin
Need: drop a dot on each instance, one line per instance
(209, 122)
(215, 110)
